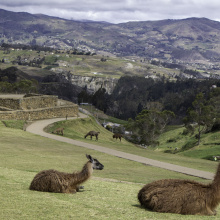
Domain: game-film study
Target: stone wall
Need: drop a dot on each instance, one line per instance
(44, 113)
(18, 107)
(11, 103)
(36, 102)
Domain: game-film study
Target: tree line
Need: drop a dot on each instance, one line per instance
(133, 94)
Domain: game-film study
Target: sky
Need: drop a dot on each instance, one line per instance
(117, 11)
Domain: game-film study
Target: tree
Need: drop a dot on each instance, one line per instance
(215, 101)
(83, 97)
(202, 114)
(26, 86)
(100, 99)
(148, 125)
(6, 87)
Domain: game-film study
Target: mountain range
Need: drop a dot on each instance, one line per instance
(191, 40)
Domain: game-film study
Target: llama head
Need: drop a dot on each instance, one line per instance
(96, 165)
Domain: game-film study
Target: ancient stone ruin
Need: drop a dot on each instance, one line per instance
(35, 107)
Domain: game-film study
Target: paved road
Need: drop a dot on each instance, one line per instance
(38, 126)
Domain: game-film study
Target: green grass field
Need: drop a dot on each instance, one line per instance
(208, 147)
(110, 194)
(76, 129)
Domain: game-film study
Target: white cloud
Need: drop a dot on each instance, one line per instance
(118, 11)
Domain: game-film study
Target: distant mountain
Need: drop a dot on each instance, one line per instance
(192, 40)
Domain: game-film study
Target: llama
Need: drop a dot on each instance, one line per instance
(58, 131)
(60, 182)
(116, 136)
(92, 133)
(181, 196)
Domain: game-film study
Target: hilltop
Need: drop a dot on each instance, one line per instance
(188, 41)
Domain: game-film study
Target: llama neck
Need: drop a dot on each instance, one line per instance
(85, 173)
(216, 181)
(215, 189)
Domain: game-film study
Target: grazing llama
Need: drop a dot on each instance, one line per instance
(60, 182)
(58, 131)
(181, 196)
(92, 133)
(116, 136)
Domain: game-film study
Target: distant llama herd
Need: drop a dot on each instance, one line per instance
(166, 196)
(90, 133)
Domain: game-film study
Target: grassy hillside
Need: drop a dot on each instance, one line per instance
(76, 129)
(111, 193)
(186, 144)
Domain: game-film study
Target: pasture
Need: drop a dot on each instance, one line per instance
(76, 129)
(110, 194)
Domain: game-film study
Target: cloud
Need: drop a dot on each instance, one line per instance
(115, 11)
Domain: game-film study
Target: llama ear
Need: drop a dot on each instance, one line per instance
(89, 158)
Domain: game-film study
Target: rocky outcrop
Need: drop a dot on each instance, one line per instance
(94, 83)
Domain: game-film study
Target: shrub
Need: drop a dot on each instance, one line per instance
(171, 140)
(190, 144)
(185, 132)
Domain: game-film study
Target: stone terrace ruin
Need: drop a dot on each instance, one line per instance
(35, 107)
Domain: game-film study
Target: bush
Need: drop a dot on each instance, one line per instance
(216, 127)
(185, 132)
(189, 145)
(168, 151)
(171, 140)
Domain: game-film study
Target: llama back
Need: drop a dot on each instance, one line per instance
(47, 181)
(173, 196)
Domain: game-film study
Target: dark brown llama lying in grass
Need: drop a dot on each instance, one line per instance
(58, 131)
(60, 182)
(92, 133)
(117, 136)
(181, 196)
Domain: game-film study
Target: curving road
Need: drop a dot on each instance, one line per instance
(37, 128)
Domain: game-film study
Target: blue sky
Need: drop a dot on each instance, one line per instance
(117, 11)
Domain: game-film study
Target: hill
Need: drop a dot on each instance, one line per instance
(176, 141)
(192, 40)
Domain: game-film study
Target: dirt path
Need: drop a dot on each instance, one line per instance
(38, 126)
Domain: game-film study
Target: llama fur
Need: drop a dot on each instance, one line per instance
(92, 133)
(58, 131)
(181, 196)
(60, 182)
(117, 136)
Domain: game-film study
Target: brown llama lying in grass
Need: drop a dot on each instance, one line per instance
(60, 182)
(116, 136)
(181, 196)
(92, 133)
(58, 131)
